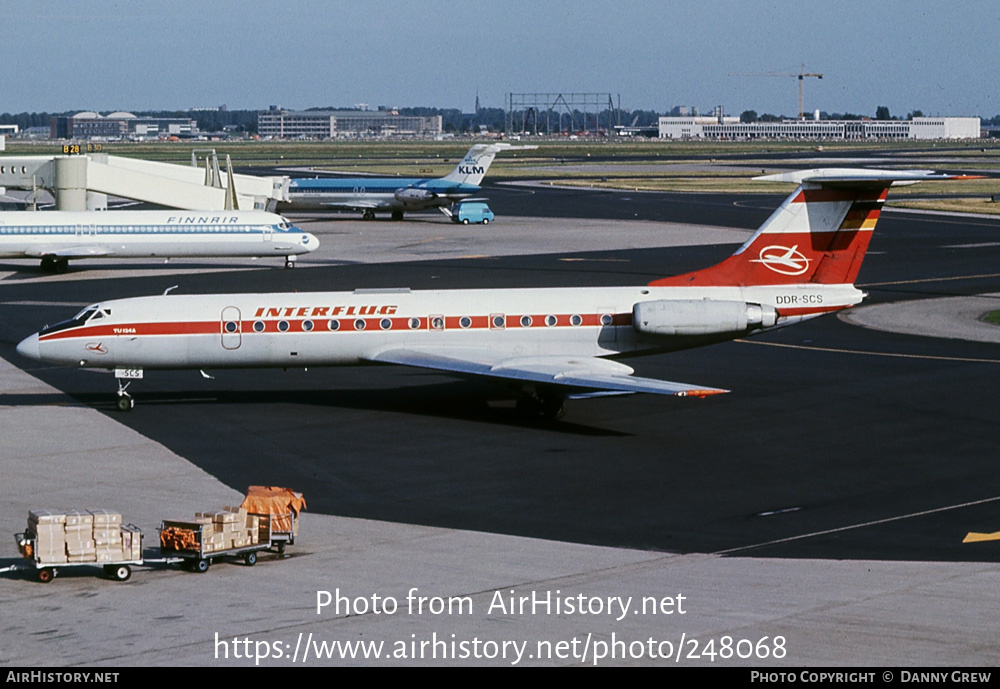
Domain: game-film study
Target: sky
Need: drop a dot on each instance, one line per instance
(938, 57)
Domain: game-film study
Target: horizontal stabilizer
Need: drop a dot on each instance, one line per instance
(857, 177)
(819, 235)
(581, 373)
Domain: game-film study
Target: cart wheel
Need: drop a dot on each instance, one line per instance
(46, 574)
(118, 572)
(281, 547)
(200, 565)
(250, 559)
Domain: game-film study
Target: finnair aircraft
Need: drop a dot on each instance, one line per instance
(55, 237)
(542, 345)
(396, 194)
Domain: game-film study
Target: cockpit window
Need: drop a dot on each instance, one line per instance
(88, 314)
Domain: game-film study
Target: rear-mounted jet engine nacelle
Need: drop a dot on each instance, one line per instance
(700, 316)
(413, 195)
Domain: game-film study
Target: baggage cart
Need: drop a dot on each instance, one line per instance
(48, 564)
(195, 543)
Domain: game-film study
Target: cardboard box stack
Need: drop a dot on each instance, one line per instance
(75, 536)
(49, 531)
(227, 529)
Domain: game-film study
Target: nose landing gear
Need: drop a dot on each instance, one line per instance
(124, 401)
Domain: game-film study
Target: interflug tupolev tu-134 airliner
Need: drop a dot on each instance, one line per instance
(543, 345)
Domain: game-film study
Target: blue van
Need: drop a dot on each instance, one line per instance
(472, 211)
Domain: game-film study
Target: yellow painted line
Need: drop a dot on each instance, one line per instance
(891, 355)
(851, 527)
(974, 537)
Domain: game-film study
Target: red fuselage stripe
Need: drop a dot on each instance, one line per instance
(511, 322)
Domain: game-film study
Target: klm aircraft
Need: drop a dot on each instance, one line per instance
(396, 194)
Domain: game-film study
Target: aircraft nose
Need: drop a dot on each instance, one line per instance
(28, 347)
(310, 241)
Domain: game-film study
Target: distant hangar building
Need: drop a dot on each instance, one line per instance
(329, 124)
(119, 125)
(712, 127)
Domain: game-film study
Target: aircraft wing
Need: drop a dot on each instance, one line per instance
(81, 251)
(582, 376)
(359, 205)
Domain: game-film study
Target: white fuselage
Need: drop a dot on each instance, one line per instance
(121, 234)
(345, 328)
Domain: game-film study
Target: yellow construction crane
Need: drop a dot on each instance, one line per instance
(800, 75)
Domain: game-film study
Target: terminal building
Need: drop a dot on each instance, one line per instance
(119, 125)
(712, 127)
(277, 123)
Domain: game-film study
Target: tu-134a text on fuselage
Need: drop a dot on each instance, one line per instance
(543, 345)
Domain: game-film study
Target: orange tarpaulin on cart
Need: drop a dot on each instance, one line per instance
(275, 501)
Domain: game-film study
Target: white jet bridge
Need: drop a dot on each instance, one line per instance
(84, 181)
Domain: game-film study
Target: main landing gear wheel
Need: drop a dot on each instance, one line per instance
(118, 572)
(53, 264)
(368, 215)
(553, 408)
(549, 407)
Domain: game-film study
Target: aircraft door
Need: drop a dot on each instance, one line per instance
(232, 328)
(268, 233)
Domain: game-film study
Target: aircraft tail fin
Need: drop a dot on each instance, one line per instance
(476, 162)
(818, 235)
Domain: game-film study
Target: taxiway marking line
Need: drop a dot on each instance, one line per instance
(922, 280)
(894, 355)
(841, 529)
(421, 242)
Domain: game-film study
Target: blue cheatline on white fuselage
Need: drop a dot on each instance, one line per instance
(55, 237)
(374, 193)
(396, 194)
